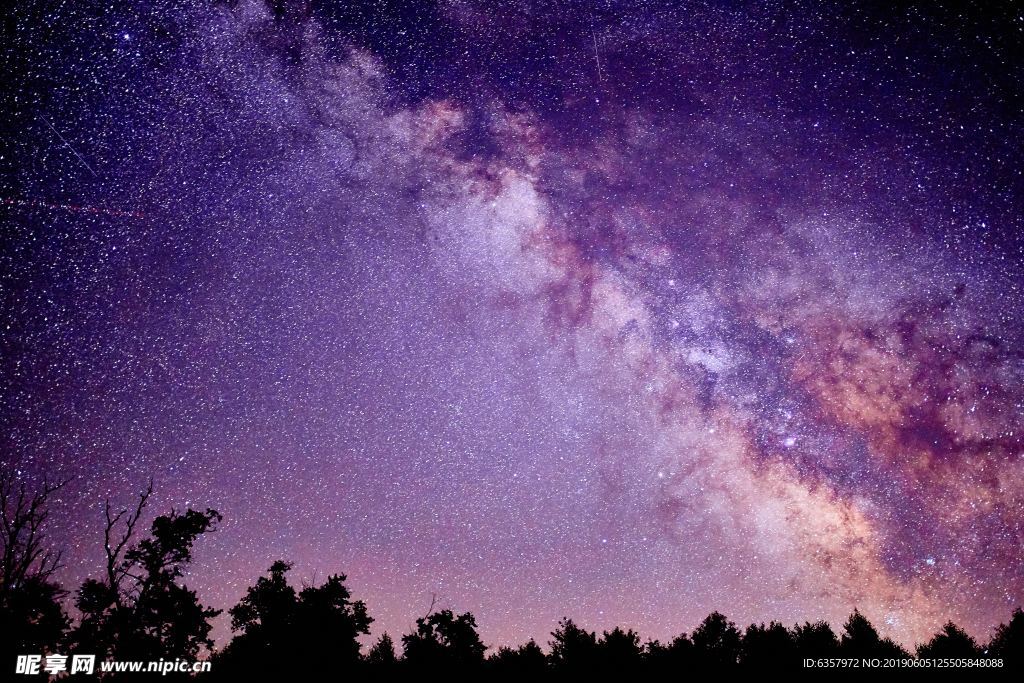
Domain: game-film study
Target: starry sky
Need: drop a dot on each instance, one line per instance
(626, 311)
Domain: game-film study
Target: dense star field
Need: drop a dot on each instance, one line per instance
(622, 311)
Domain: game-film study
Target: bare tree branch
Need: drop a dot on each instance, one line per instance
(23, 515)
(433, 601)
(117, 567)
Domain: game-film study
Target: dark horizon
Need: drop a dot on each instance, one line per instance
(140, 609)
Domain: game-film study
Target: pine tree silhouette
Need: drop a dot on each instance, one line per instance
(768, 647)
(815, 640)
(860, 639)
(382, 657)
(951, 642)
(1008, 641)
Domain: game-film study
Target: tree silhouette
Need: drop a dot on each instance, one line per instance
(382, 654)
(526, 661)
(1008, 641)
(573, 649)
(950, 642)
(32, 619)
(283, 632)
(768, 647)
(815, 640)
(664, 660)
(716, 642)
(328, 621)
(267, 608)
(860, 639)
(619, 651)
(443, 641)
(263, 620)
(140, 610)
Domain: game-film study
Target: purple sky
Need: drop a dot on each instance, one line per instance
(626, 312)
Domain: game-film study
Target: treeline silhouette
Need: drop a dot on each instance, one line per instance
(138, 609)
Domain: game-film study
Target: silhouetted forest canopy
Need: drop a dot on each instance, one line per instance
(137, 607)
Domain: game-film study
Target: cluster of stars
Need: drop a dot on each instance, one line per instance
(628, 314)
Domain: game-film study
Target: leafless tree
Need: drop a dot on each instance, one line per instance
(25, 554)
(114, 543)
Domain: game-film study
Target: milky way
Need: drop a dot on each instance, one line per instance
(621, 311)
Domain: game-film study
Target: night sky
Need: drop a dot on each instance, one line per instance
(625, 311)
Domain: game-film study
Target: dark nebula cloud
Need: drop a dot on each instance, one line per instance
(628, 311)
